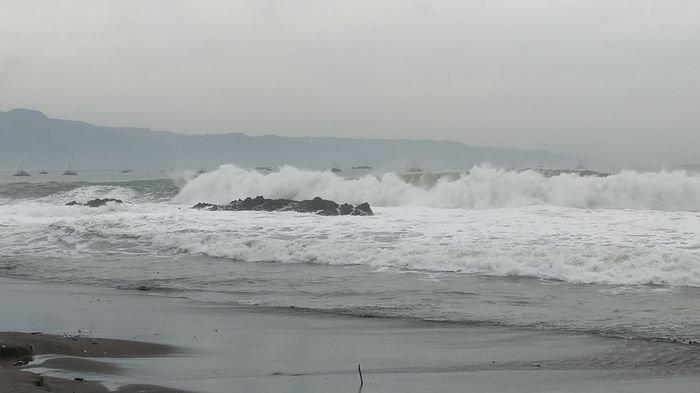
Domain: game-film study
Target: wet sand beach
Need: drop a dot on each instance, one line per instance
(19, 351)
(232, 348)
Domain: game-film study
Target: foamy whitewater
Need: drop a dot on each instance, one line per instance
(480, 188)
(618, 255)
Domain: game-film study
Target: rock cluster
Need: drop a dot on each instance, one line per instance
(95, 202)
(317, 205)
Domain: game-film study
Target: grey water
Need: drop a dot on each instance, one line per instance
(153, 245)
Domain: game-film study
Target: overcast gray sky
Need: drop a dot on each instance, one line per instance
(617, 79)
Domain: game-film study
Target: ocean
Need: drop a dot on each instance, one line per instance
(617, 256)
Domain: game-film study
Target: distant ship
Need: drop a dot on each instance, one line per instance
(414, 168)
(127, 170)
(43, 172)
(263, 169)
(21, 172)
(69, 172)
(362, 167)
(335, 168)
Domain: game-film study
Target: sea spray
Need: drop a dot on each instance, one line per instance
(482, 187)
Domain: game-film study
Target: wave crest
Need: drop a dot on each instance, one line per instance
(482, 187)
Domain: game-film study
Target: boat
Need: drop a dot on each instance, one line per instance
(362, 167)
(127, 170)
(414, 168)
(202, 171)
(21, 172)
(43, 172)
(335, 168)
(263, 169)
(69, 172)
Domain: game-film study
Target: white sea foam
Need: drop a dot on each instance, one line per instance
(503, 223)
(575, 245)
(86, 193)
(482, 188)
(510, 227)
(615, 247)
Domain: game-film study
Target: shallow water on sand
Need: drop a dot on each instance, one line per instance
(234, 348)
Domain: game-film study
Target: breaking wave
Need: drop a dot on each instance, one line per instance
(482, 187)
(84, 194)
(61, 192)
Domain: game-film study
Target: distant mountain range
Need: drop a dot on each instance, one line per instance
(29, 138)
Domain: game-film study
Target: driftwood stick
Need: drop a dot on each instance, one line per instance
(359, 370)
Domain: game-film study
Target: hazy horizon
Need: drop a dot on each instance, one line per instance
(30, 137)
(615, 82)
(599, 163)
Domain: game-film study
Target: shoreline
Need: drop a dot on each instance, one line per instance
(216, 348)
(18, 352)
(301, 311)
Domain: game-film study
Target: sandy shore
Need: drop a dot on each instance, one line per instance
(228, 348)
(18, 351)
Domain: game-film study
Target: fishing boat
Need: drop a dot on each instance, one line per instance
(69, 172)
(335, 168)
(127, 170)
(21, 172)
(414, 168)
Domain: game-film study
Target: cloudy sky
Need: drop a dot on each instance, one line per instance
(614, 79)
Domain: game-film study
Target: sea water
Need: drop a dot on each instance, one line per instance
(617, 256)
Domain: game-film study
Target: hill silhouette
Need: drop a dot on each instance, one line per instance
(29, 138)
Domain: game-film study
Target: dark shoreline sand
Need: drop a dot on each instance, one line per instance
(231, 348)
(17, 349)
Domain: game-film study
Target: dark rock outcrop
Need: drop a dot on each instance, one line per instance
(363, 209)
(207, 206)
(317, 205)
(345, 209)
(15, 351)
(95, 202)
